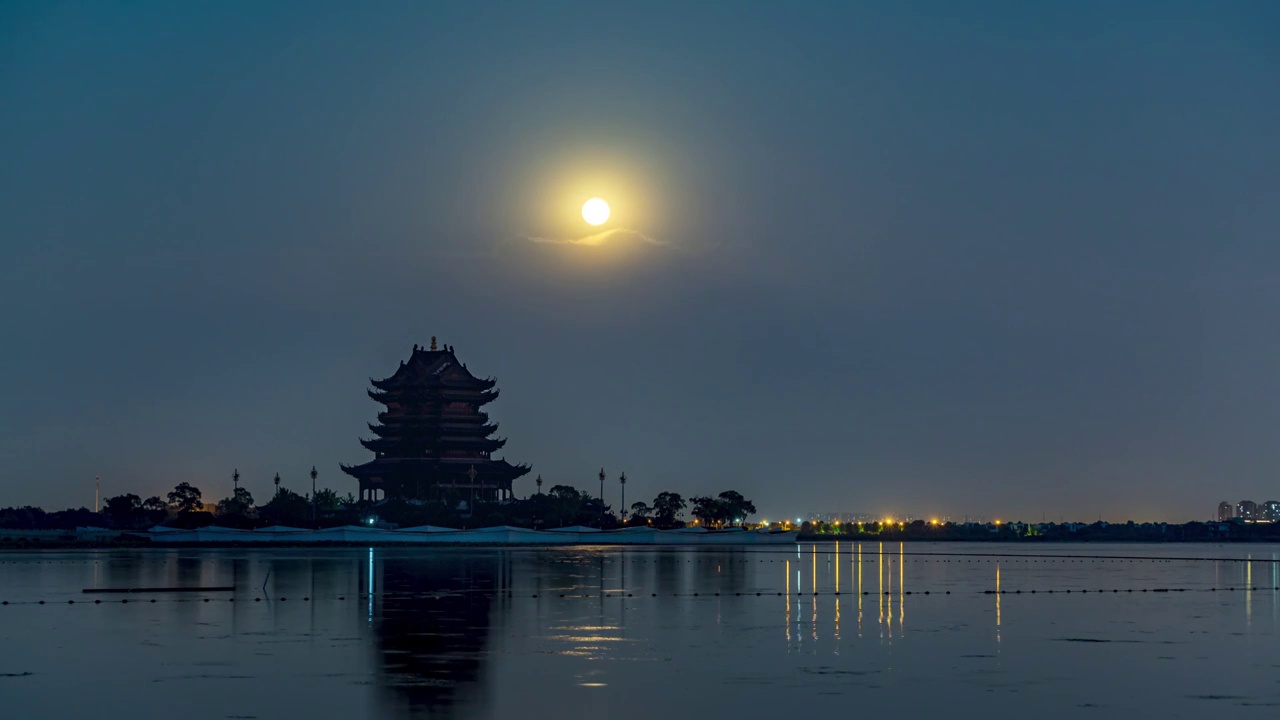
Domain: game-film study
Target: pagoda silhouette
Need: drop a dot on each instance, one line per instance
(433, 441)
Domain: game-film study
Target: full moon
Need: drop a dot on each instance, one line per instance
(595, 211)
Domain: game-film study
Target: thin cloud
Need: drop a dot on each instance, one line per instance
(596, 239)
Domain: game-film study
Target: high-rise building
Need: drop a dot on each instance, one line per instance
(1224, 511)
(1271, 510)
(1247, 510)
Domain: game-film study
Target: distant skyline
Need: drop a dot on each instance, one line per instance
(1000, 259)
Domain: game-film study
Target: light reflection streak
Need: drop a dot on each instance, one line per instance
(1248, 591)
(814, 619)
(888, 598)
(798, 593)
(997, 602)
(787, 601)
(369, 588)
(837, 624)
(859, 589)
(880, 591)
(902, 584)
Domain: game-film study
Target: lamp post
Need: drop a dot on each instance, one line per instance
(601, 522)
(313, 494)
(539, 482)
(277, 481)
(235, 481)
(622, 479)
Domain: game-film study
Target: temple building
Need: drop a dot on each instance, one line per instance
(433, 441)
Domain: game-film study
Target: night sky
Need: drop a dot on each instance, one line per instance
(1010, 259)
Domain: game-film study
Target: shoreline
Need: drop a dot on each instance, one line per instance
(55, 545)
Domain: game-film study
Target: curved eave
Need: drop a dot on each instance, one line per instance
(429, 428)
(413, 447)
(426, 395)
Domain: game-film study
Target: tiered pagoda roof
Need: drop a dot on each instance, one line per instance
(433, 435)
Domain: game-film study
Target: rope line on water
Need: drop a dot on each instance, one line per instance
(625, 595)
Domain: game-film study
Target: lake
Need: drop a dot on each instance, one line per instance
(585, 632)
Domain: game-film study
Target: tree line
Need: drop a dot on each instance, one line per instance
(561, 506)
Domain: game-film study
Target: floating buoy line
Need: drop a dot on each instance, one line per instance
(620, 595)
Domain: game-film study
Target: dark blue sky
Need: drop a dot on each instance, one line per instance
(999, 259)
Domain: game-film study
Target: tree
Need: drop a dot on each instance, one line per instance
(567, 494)
(711, 511)
(738, 507)
(154, 510)
(640, 510)
(123, 510)
(328, 501)
(239, 504)
(287, 508)
(185, 497)
(666, 507)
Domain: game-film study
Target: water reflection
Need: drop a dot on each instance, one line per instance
(485, 632)
(432, 620)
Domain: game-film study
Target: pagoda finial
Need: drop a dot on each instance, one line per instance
(433, 343)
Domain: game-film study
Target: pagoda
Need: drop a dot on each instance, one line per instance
(433, 441)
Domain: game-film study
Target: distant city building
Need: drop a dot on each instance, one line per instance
(1224, 511)
(831, 518)
(1247, 510)
(1271, 510)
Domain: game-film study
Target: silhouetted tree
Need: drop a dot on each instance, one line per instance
(708, 509)
(738, 507)
(22, 518)
(666, 507)
(287, 508)
(123, 510)
(328, 501)
(240, 504)
(185, 498)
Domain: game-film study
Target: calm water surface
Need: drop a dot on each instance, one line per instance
(436, 632)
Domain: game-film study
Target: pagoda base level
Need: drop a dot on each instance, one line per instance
(449, 495)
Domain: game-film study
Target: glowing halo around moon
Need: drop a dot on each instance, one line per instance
(595, 211)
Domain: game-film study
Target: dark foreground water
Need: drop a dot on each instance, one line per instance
(505, 633)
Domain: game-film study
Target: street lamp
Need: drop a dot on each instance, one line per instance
(601, 523)
(622, 479)
(539, 482)
(277, 484)
(313, 494)
(235, 480)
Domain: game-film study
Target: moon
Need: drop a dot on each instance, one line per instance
(595, 211)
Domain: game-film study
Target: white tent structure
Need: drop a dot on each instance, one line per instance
(500, 535)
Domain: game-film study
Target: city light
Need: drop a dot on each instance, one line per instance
(933, 521)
